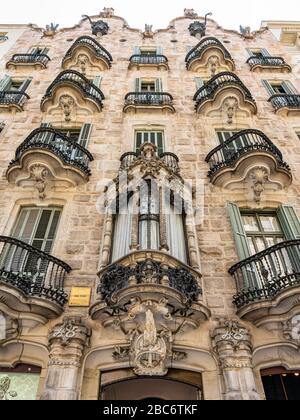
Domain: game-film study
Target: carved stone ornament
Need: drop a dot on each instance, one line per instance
(259, 177)
(9, 328)
(6, 393)
(39, 174)
(148, 32)
(107, 12)
(82, 62)
(190, 13)
(99, 28)
(291, 329)
(67, 104)
(197, 29)
(213, 64)
(65, 332)
(230, 106)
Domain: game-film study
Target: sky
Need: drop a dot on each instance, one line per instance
(228, 13)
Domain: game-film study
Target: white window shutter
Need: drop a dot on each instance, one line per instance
(137, 85)
(289, 88)
(158, 85)
(136, 51)
(97, 81)
(199, 82)
(268, 87)
(5, 83)
(84, 135)
(25, 85)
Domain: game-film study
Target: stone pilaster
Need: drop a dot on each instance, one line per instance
(233, 346)
(67, 342)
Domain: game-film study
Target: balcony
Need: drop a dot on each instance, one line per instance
(86, 53)
(36, 61)
(13, 101)
(149, 61)
(268, 284)
(149, 101)
(286, 104)
(65, 161)
(210, 54)
(270, 64)
(168, 160)
(77, 89)
(231, 162)
(225, 91)
(31, 281)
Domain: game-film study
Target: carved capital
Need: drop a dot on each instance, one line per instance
(231, 337)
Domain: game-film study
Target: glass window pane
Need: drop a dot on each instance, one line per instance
(250, 224)
(251, 246)
(270, 224)
(146, 137)
(260, 244)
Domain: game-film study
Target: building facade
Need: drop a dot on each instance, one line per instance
(149, 213)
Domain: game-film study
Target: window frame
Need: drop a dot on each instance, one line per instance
(143, 132)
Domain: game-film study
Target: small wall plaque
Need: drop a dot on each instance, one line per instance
(80, 296)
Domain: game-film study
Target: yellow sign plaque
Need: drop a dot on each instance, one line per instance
(80, 296)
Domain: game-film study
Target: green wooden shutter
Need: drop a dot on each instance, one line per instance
(136, 51)
(45, 51)
(238, 231)
(289, 88)
(158, 85)
(199, 82)
(268, 87)
(137, 85)
(24, 85)
(5, 83)
(289, 222)
(265, 52)
(84, 135)
(97, 81)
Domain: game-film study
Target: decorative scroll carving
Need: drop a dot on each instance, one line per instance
(39, 174)
(5, 392)
(67, 104)
(259, 177)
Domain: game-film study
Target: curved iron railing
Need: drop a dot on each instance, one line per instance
(203, 45)
(32, 271)
(264, 275)
(151, 59)
(169, 159)
(229, 152)
(218, 82)
(77, 79)
(149, 98)
(285, 101)
(266, 61)
(92, 43)
(117, 277)
(3, 38)
(13, 98)
(30, 59)
(62, 146)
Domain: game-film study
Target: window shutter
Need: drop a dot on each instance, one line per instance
(45, 51)
(199, 82)
(137, 85)
(189, 48)
(249, 51)
(238, 231)
(24, 85)
(5, 83)
(97, 81)
(265, 52)
(45, 137)
(268, 87)
(158, 85)
(289, 222)
(289, 88)
(136, 51)
(84, 135)
(159, 51)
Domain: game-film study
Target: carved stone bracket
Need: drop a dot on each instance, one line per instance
(291, 329)
(233, 347)
(39, 174)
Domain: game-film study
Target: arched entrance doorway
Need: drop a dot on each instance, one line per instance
(178, 385)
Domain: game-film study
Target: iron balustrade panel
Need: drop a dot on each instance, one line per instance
(217, 82)
(62, 146)
(30, 59)
(266, 61)
(285, 101)
(229, 152)
(204, 45)
(88, 89)
(32, 271)
(171, 161)
(119, 277)
(264, 275)
(13, 98)
(92, 43)
(148, 59)
(149, 98)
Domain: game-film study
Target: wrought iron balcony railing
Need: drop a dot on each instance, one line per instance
(151, 59)
(42, 59)
(285, 101)
(3, 38)
(169, 159)
(149, 99)
(62, 146)
(13, 98)
(72, 77)
(267, 62)
(204, 45)
(87, 41)
(264, 275)
(119, 277)
(229, 152)
(218, 82)
(32, 271)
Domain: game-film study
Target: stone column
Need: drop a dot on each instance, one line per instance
(107, 241)
(232, 344)
(67, 342)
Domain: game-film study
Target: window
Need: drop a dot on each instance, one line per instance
(148, 85)
(7, 84)
(20, 383)
(37, 50)
(154, 137)
(78, 135)
(258, 52)
(281, 385)
(282, 88)
(148, 50)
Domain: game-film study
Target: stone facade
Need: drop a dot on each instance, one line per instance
(76, 346)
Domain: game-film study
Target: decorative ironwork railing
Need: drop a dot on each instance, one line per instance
(32, 271)
(203, 45)
(169, 159)
(13, 98)
(30, 59)
(92, 43)
(285, 101)
(149, 98)
(151, 59)
(266, 61)
(264, 275)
